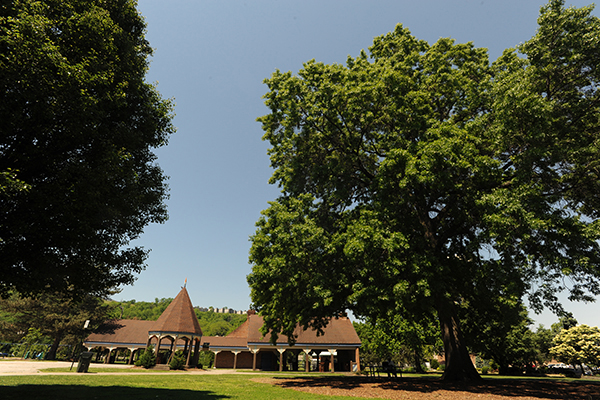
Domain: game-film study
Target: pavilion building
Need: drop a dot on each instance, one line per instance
(176, 328)
(247, 348)
(336, 349)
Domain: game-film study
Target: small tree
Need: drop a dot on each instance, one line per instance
(501, 333)
(206, 359)
(33, 344)
(398, 339)
(178, 360)
(578, 345)
(147, 359)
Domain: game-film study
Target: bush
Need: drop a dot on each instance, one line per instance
(485, 370)
(434, 363)
(206, 359)
(147, 359)
(178, 360)
(494, 365)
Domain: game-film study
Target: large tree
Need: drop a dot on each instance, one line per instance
(78, 126)
(418, 178)
(578, 345)
(53, 315)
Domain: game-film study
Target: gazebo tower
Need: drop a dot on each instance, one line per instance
(178, 322)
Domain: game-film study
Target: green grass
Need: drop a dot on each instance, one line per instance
(92, 369)
(120, 386)
(132, 387)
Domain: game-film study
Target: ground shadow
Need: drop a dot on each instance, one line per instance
(538, 388)
(68, 392)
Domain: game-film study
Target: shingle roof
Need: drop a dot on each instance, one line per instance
(123, 331)
(339, 331)
(179, 317)
(224, 341)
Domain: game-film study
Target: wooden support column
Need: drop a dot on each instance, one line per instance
(254, 352)
(235, 354)
(196, 357)
(107, 360)
(281, 351)
(173, 346)
(215, 362)
(188, 346)
(306, 360)
(132, 352)
(357, 355)
(332, 353)
(157, 351)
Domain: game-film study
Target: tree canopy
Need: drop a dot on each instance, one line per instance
(55, 316)
(503, 337)
(78, 126)
(404, 342)
(418, 178)
(578, 345)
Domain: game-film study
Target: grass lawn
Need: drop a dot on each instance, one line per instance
(131, 387)
(121, 386)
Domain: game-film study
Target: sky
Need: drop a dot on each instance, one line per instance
(211, 57)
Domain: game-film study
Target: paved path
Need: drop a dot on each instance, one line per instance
(34, 367)
(28, 367)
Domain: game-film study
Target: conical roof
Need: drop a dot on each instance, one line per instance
(179, 317)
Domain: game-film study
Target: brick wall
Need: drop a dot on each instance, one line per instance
(244, 360)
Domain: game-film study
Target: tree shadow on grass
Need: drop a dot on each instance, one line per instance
(532, 388)
(78, 392)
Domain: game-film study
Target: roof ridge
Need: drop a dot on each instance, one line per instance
(179, 316)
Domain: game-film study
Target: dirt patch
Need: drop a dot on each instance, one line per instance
(427, 389)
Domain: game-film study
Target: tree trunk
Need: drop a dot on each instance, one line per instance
(53, 349)
(459, 366)
(418, 359)
(503, 368)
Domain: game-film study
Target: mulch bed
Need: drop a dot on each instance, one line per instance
(426, 389)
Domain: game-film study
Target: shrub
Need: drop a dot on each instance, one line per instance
(434, 363)
(178, 360)
(206, 359)
(485, 370)
(147, 359)
(494, 365)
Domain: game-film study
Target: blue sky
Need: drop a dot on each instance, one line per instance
(211, 57)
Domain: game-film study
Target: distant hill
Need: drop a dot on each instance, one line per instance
(212, 323)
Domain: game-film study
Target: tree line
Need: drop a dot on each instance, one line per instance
(518, 350)
(51, 326)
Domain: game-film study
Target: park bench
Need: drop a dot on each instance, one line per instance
(384, 368)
